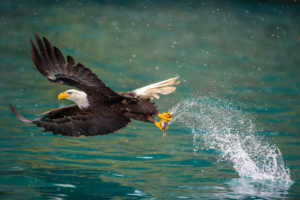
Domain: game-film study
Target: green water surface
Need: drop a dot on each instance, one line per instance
(247, 52)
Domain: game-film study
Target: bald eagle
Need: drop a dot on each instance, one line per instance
(98, 110)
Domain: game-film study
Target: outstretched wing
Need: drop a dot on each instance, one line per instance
(71, 121)
(51, 63)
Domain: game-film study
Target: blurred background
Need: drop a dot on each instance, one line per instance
(241, 58)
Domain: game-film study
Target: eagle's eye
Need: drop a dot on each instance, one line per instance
(70, 93)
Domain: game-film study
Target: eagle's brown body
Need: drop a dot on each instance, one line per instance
(106, 112)
(134, 108)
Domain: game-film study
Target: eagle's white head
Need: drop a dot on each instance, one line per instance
(78, 97)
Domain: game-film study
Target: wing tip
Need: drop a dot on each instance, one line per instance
(18, 115)
(31, 42)
(70, 60)
(36, 35)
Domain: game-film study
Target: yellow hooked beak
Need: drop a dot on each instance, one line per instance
(63, 95)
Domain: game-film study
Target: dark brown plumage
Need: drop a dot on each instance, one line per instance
(53, 65)
(107, 110)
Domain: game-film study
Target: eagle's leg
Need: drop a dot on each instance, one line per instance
(163, 123)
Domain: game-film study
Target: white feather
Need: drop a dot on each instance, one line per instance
(78, 97)
(152, 91)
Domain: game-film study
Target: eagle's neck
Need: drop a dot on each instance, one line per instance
(81, 100)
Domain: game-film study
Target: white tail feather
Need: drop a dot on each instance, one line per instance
(152, 91)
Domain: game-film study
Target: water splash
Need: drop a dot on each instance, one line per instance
(217, 124)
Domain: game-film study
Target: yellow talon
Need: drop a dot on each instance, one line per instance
(165, 116)
(158, 124)
(163, 123)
